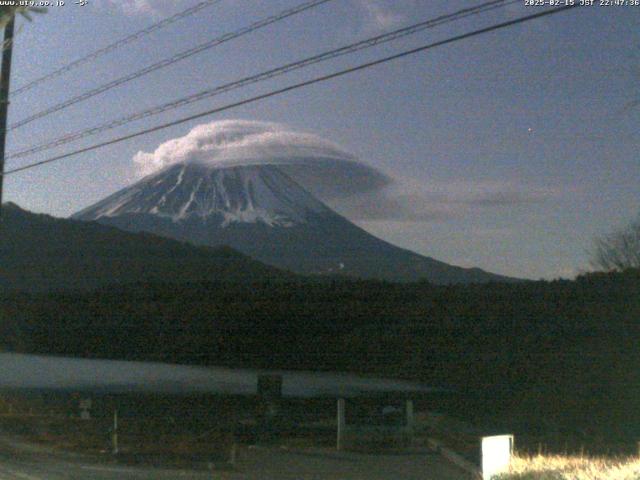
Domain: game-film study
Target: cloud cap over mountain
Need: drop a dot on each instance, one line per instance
(345, 183)
(320, 166)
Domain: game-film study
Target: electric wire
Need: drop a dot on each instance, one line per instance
(263, 76)
(115, 45)
(169, 61)
(296, 86)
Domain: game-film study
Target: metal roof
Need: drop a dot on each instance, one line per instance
(21, 371)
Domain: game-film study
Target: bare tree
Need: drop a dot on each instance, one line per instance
(619, 250)
(8, 12)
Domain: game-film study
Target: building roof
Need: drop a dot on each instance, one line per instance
(21, 371)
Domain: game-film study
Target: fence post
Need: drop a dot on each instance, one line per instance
(114, 434)
(233, 454)
(341, 424)
(409, 420)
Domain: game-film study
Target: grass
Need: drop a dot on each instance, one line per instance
(558, 467)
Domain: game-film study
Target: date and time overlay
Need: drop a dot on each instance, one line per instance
(581, 3)
(526, 3)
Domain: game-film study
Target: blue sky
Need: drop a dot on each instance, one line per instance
(517, 145)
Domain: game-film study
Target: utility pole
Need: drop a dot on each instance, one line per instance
(5, 76)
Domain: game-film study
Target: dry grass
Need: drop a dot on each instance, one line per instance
(548, 467)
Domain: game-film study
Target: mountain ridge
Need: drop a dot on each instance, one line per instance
(39, 252)
(265, 214)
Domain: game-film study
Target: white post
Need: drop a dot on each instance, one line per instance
(341, 424)
(496, 455)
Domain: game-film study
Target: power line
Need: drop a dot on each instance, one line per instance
(115, 45)
(170, 61)
(266, 75)
(295, 87)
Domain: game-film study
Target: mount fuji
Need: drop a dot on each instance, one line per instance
(263, 212)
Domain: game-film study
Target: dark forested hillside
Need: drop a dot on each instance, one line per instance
(563, 352)
(39, 252)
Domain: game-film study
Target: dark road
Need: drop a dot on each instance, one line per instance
(20, 461)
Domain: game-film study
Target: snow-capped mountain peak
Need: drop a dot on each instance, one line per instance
(241, 194)
(259, 210)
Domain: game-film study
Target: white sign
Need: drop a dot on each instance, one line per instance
(496, 455)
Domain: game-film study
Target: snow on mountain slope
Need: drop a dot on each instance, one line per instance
(243, 194)
(259, 210)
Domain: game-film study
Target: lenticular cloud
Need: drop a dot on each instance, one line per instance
(317, 164)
